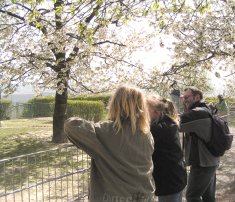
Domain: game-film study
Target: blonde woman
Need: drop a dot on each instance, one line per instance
(169, 171)
(121, 149)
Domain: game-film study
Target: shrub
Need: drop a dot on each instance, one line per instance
(104, 98)
(89, 110)
(39, 107)
(5, 105)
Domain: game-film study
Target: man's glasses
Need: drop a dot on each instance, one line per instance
(187, 97)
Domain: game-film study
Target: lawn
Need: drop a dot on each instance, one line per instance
(23, 136)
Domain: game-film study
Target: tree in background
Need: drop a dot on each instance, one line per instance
(67, 44)
(203, 40)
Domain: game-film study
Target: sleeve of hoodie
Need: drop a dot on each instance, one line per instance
(82, 133)
(196, 122)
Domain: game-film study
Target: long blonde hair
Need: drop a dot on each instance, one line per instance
(165, 106)
(129, 104)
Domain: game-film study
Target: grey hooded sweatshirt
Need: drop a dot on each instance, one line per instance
(121, 164)
(197, 123)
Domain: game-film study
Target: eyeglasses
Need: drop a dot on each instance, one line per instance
(187, 97)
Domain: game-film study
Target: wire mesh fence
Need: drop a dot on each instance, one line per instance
(59, 174)
(28, 110)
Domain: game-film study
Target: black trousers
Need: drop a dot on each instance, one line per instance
(201, 184)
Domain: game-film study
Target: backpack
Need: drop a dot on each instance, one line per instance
(221, 138)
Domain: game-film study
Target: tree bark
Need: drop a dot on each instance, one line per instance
(59, 117)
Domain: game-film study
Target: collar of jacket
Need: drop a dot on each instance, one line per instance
(162, 118)
(198, 104)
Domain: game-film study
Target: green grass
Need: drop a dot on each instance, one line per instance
(23, 136)
(27, 123)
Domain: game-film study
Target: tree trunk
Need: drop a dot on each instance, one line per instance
(59, 117)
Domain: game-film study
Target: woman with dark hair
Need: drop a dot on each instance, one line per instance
(169, 171)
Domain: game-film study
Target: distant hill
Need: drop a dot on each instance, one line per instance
(23, 98)
(20, 98)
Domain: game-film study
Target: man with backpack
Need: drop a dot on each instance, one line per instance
(196, 123)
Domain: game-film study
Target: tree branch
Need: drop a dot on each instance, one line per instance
(12, 15)
(108, 41)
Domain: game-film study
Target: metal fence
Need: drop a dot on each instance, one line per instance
(29, 110)
(59, 174)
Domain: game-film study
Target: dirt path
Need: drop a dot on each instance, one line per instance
(226, 175)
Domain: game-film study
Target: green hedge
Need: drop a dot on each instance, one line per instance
(89, 110)
(39, 107)
(104, 98)
(5, 105)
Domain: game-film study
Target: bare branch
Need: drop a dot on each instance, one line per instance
(12, 15)
(108, 41)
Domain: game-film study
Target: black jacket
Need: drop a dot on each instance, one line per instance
(169, 172)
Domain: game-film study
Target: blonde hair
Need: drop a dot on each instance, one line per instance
(165, 106)
(129, 104)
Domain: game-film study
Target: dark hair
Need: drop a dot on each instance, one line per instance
(220, 97)
(165, 106)
(195, 91)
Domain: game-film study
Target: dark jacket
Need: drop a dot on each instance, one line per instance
(196, 123)
(169, 171)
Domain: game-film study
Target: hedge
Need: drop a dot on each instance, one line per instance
(5, 105)
(104, 98)
(39, 107)
(89, 110)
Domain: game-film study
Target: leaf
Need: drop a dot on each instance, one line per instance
(155, 6)
(72, 10)
(31, 2)
(99, 2)
(90, 39)
(59, 10)
(124, 21)
(145, 13)
(200, 9)
(39, 25)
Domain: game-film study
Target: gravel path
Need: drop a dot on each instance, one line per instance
(226, 175)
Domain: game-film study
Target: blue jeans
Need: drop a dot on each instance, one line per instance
(171, 198)
(201, 184)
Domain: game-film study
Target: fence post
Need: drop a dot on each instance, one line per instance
(0, 107)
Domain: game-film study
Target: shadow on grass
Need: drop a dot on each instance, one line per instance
(17, 146)
(37, 167)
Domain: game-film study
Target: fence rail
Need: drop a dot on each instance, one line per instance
(59, 174)
(29, 110)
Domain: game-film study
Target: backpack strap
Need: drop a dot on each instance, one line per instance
(183, 141)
